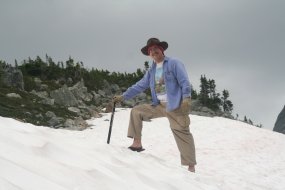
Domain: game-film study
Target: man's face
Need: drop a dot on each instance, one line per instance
(155, 53)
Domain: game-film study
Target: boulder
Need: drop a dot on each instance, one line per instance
(77, 124)
(80, 92)
(55, 121)
(50, 114)
(93, 112)
(13, 77)
(47, 101)
(107, 88)
(13, 95)
(42, 94)
(109, 107)
(129, 103)
(38, 83)
(115, 88)
(141, 96)
(64, 97)
(96, 98)
(43, 87)
(101, 93)
(39, 116)
(74, 110)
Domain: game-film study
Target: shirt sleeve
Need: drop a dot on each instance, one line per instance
(182, 78)
(137, 88)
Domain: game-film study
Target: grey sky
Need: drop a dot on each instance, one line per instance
(239, 43)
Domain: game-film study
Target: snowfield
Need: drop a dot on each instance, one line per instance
(231, 155)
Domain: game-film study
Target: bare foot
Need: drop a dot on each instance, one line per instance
(191, 169)
(137, 143)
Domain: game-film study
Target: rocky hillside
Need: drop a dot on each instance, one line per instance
(62, 107)
(60, 104)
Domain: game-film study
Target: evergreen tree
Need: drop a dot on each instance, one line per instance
(212, 89)
(194, 94)
(260, 126)
(16, 64)
(62, 64)
(208, 96)
(139, 73)
(146, 66)
(226, 104)
(245, 119)
(69, 63)
(77, 72)
(2, 65)
(204, 90)
(70, 69)
(250, 122)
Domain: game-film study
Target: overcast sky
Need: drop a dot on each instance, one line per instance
(238, 43)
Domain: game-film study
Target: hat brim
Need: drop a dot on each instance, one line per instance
(164, 45)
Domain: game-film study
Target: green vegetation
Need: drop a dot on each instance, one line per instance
(70, 73)
(211, 99)
(28, 107)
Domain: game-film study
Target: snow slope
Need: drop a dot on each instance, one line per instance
(231, 155)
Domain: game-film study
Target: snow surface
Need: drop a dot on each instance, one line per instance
(231, 155)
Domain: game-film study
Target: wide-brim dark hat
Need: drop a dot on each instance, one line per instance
(151, 42)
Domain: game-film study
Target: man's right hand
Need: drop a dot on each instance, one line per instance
(118, 98)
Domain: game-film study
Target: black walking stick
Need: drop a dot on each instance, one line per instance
(111, 123)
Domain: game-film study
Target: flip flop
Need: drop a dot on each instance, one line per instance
(138, 149)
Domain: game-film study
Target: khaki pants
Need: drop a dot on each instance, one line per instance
(179, 123)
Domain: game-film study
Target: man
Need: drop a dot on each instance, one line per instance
(171, 95)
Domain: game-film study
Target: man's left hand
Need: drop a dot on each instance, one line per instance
(185, 105)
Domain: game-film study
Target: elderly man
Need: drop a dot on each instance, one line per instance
(171, 95)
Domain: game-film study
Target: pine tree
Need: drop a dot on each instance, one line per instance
(214, 101)
(226, 104)
(16, 64)
(204, 90)
(237, 116)
(245, 119)
(139, 73)
(69, 63)
(212, 89)
(146, 66)
(194, 94)
(208, 96)
(250, 122)
(260, 126)
(2, 65)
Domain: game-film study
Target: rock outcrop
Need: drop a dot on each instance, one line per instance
(13, 77)
(64, 97)
(74, 99)
(198, 109)
(280, 122)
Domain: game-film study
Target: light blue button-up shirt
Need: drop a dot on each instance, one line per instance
(176, 82)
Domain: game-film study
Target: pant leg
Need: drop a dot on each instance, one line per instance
(141, 113)
(179, 122)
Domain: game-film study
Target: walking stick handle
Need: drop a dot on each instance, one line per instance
(111, 123)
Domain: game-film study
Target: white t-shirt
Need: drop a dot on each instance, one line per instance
(159, 83)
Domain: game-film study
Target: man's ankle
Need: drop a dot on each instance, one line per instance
(191, 169)
(137, 143)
